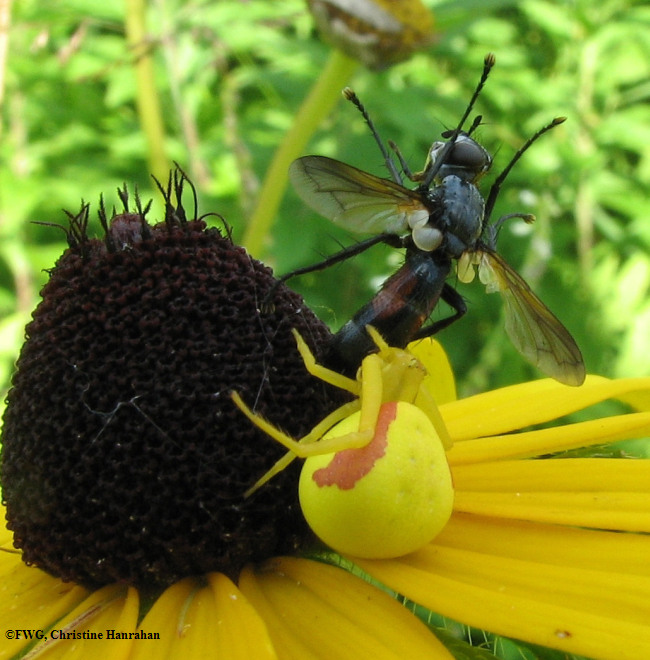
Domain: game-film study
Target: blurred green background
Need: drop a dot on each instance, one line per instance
(83, 82)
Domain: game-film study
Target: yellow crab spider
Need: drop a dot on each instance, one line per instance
(391, 374)
(375, 482)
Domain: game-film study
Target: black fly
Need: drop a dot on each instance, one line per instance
(444, 218)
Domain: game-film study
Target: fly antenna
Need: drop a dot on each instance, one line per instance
(490, 233)
(496, 186)
(488, 63)
(475, 124)
(390, 164)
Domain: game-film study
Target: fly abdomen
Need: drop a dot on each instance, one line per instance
(397, 311)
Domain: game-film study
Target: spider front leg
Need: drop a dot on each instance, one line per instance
(369, 387)
(323, 373)
(305, 446)
(296, 448)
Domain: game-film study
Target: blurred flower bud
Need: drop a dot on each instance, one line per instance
(380, 33)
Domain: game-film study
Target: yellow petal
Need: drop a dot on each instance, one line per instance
(209, 621)
(588, 492)
(439, 380)
(639, 400)
(560, 587)
(244, 633)
(5, 535)
(546, 441)
(560, 474)
(30, 600)
(112, 608)
(550, 544)
(626, 512)
(519, 406)
(318, 611)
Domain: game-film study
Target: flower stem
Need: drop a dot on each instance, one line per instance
(147, 100)
(317, 105)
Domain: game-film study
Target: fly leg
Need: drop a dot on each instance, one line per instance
(342, 255)
(456, 302)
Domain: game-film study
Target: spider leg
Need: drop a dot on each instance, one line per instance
(323, 373)
(371, 395)
(280, 465)
(307, 445)
(300, 447)
(401, 379)
(315, 434)
(425, 402)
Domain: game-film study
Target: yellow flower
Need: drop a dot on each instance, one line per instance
(549, 551)
(287, 608)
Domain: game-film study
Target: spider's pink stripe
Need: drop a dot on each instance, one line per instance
(350, 465)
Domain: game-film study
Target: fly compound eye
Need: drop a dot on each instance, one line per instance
(469, 154)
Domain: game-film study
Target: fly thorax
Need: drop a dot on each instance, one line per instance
(462, 212)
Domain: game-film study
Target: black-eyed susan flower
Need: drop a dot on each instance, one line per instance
(125, 465)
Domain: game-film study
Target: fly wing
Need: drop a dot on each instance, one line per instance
(355, 199)
(533, 329)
